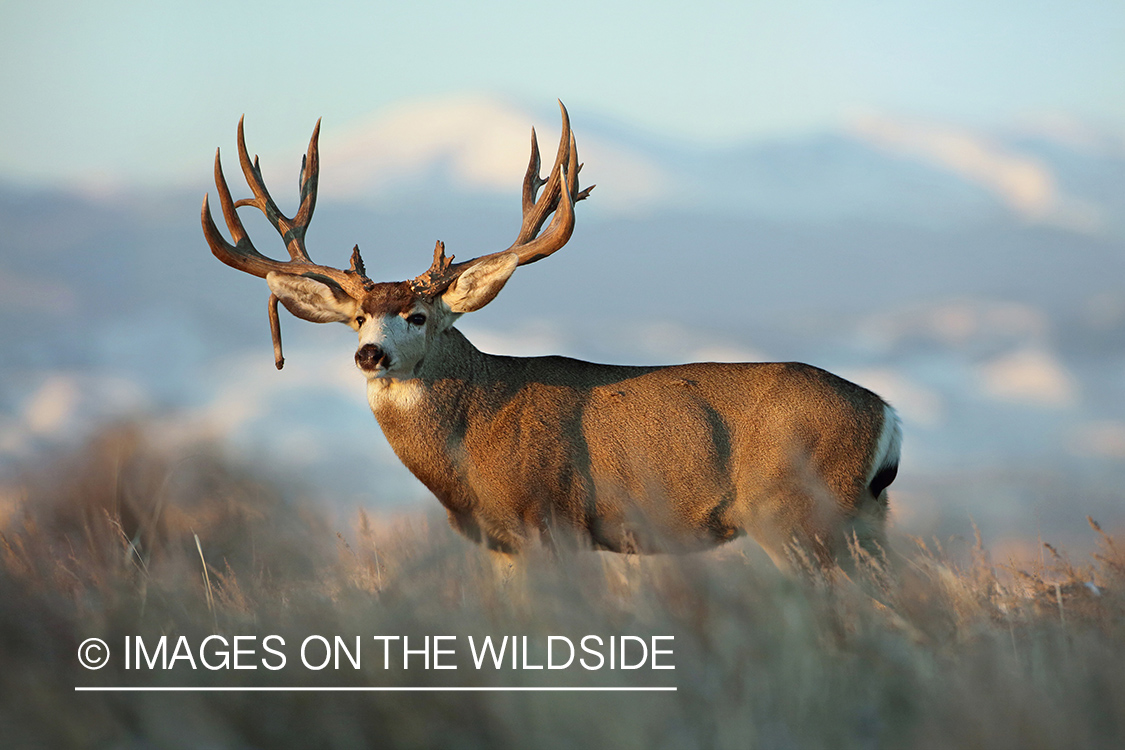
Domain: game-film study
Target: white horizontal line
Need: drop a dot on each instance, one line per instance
(228, 689)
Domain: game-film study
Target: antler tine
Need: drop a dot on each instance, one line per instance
(558, 231)
(252, 172)
(535, 212)
(532, 181)
(573, 170)
(441, 273)
(242, 255)
(234, 224)
(530, 245)
(291, 230)
(310, 176)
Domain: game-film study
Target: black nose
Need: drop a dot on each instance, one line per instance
(370, 356)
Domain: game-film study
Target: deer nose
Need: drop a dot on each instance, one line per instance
(369, 356)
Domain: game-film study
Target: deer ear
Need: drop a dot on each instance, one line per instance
(312, 299)
(480, 284)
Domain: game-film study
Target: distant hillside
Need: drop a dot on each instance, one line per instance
(973, 279)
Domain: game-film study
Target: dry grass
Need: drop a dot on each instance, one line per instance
(951, 650)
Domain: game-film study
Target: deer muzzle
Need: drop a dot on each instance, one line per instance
(370, 357)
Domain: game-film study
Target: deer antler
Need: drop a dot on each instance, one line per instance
(245, 257)
(530, 245)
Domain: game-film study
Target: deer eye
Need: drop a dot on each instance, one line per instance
(417, 319)
(360, 320)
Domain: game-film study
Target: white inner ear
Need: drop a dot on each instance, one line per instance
(480, 284)
(310, 299)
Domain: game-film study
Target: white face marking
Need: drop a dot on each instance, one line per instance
(403, 339)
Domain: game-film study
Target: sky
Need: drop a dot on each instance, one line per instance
(142, 91)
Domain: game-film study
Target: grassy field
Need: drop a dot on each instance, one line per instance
(947, 648)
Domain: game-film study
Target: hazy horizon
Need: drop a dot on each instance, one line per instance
(131, 92)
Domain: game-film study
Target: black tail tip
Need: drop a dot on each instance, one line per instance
(883, 479)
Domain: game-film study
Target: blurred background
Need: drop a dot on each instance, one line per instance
(926, 198)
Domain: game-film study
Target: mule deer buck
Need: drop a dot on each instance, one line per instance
(622, 458)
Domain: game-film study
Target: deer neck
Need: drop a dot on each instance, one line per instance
(425, 417)
(452, 366)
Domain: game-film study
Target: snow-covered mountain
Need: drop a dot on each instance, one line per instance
(874, 167)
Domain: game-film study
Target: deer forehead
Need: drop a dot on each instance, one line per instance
(390, 299)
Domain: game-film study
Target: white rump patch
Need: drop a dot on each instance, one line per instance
(889, 449)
